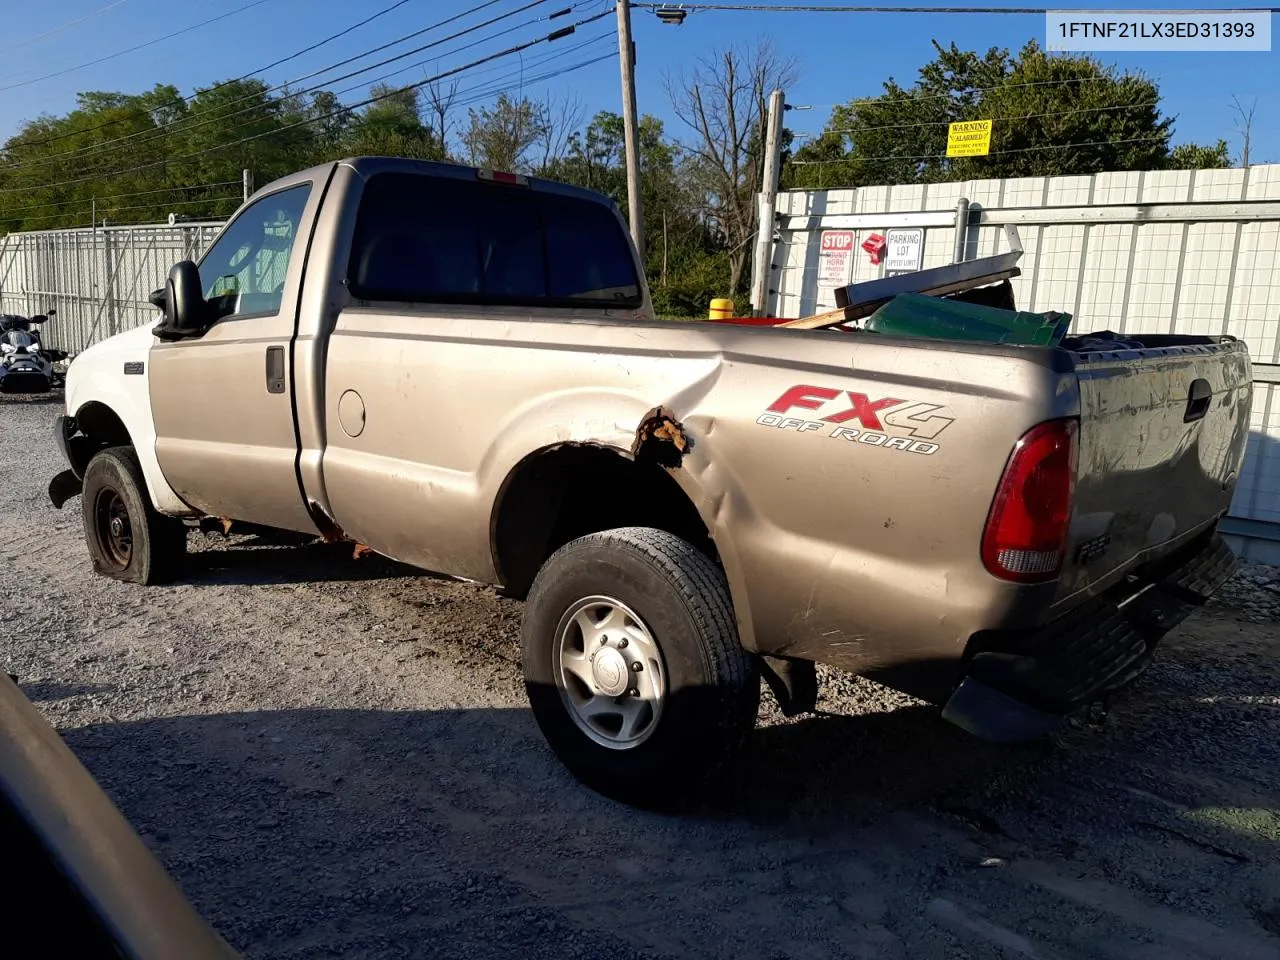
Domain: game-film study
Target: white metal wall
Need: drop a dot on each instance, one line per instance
(1168, 251)
(98, 280)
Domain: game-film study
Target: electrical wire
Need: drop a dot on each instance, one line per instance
(993, 153)
(63, 28)
(217, 86)
(829, 8)
(185, 124)
(137, 47)
(470, 96)
(509, 51)
(109, 209)
(125, 196)
(943, 123)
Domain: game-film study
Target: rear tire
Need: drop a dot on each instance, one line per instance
(127, 539)
(633, 665)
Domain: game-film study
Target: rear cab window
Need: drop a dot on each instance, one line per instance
(444, 240)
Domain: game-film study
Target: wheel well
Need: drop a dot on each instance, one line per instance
(99, 427)
(570, 491)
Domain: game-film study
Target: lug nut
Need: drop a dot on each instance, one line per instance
(633, 692)
(622, 643)
(604, 641)
(637, 666)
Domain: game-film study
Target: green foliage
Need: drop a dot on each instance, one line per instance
(1193, 156)
(1053, 115)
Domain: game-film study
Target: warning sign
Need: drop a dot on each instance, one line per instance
(835, 258)
(969, 138)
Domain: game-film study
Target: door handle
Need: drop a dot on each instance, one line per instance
(1198, 398)
(275, 369)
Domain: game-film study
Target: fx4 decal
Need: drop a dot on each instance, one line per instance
(858, 418)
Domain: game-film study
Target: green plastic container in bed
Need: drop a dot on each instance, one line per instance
(914, 315)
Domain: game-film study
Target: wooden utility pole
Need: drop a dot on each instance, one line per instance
(248, 184)
(768, 200)
(627, 57)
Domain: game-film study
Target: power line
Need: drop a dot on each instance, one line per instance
(472, 97)
(993, 153)
(315, 46)
(88, 205)
(943, 123)
(185, 124)
(828, 8)
(137, 47)
(509, 51)
(63, 28)
(125, 196)
(275, 63)
(420, 63)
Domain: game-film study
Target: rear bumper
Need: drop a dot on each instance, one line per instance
(1020, 684)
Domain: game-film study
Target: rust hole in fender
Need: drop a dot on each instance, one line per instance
(661, 439)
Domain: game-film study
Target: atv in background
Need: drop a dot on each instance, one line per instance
(25, 365)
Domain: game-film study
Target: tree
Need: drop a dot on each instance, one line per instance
(503, 137)
(1192, 156)
(1053, 115)
(1244, 126)
(723, 100)
(392, 126)
(684, 259)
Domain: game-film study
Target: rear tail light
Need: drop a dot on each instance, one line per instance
(1026, 531)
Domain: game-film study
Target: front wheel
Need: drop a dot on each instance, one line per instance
(633, 666)
(127, 539)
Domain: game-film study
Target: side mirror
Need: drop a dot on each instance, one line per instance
(185, 309)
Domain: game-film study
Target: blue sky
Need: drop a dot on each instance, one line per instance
(840, 55)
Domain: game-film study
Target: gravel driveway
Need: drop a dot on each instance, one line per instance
(334, 759)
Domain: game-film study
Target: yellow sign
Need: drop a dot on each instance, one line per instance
(969, 138)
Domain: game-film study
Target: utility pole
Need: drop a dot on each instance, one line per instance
(627, 56)
(248, 184)
(768, 200)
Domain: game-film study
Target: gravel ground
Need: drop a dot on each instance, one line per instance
(334, 759)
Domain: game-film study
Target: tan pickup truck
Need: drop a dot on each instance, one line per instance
(462, 371)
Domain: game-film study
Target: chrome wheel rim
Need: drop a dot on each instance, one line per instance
(610, 672)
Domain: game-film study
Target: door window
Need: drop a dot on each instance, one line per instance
(244, 271)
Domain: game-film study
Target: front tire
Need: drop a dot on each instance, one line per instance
(633, 665)
(127, 539)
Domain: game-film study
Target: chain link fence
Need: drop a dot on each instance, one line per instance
(98, 280)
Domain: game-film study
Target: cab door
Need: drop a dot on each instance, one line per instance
(222, 402)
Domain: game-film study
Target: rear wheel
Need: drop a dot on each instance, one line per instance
(127, 539)
(633, 666)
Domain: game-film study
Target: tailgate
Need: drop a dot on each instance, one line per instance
(1162, 438)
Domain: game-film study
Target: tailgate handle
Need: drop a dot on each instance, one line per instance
(1198, 398)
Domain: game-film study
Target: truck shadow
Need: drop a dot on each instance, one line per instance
(455, 832)
(279, 558)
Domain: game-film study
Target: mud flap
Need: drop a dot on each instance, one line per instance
(63, 487)
(793, 682)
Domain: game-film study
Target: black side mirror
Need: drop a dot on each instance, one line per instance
(186, 312)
